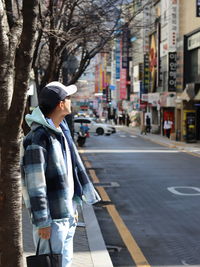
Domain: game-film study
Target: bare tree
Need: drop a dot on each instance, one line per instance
(18, 20)
(73, 29)
(78, 28)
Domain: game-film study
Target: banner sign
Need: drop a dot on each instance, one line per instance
(117, 58)
(172, 71)
(125, 45)
(146, 74)
(123, 90)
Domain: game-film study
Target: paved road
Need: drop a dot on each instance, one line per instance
(156, 192)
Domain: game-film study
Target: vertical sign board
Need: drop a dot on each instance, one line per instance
(123, 70)
(173, 25)
(172, 72)
(96, 79)
(117, 58)
(198, 8)
(146, 74)
(125, 44)
(124, 63)
(123, 91)
(146, 21)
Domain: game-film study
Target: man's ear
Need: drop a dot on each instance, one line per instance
(60, 104)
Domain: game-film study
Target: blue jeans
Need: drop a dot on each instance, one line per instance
(62, 234)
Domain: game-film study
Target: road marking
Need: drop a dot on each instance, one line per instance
(133, 136)
(184, 263)
(128, 151)
(121, 135)
(125, 234)
(173, 145)
(191, 153)
(174, 190)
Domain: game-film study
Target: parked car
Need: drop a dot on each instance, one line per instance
(94, 127)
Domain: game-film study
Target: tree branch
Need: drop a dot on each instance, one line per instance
(23, 64)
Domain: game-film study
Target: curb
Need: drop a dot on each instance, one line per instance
(171, 144)
(99, 252)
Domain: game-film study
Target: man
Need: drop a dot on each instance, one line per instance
(148, 124)
(168, 126)
(54, 178)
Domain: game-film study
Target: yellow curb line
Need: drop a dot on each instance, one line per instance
(172, 146)
(125, 234)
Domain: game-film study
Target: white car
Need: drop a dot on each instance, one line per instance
(94, 127)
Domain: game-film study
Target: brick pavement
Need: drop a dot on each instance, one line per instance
(89, 246)
(82, 253)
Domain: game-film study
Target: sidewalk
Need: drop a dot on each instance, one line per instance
(192, 148)
(89, 246)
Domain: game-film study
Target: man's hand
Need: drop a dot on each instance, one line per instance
(45, 233)
(76, 216)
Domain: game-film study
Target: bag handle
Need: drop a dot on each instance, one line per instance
(38, 247)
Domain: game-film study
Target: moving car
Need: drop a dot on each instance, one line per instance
(94, 127)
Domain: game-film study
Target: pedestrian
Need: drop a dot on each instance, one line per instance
(127, 120)
(148, 124)
(123, 118)
(87, 130)
(168, 126)
(54, 178)
(84, 129)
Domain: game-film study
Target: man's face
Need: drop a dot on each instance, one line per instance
(66, 106)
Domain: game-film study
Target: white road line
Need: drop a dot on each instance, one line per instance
(127, 151)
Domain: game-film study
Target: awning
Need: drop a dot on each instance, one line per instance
(190, 92)
(185, 96)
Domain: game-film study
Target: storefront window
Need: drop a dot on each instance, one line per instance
(194, 74)
(154, 116)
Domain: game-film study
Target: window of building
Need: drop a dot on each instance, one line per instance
(194, 75)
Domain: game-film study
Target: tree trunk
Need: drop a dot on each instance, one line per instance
(10, 205)
(14, 88)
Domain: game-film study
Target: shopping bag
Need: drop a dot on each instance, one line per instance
(44, 260)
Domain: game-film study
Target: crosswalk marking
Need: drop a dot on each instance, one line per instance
(123, 136)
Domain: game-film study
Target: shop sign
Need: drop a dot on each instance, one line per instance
(193, 41)
(153, 98)
(172, 71)
(123, 90)
(117, 58)
(146, 18)
(136, 86)
(125, 47)
(169, 27)
(173, 14)
(144, 97)
(143, 105)
(146, 73)
(153, 61)
(167, 99)
(132, 97)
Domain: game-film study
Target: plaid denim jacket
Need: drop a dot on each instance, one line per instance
(43, 169)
